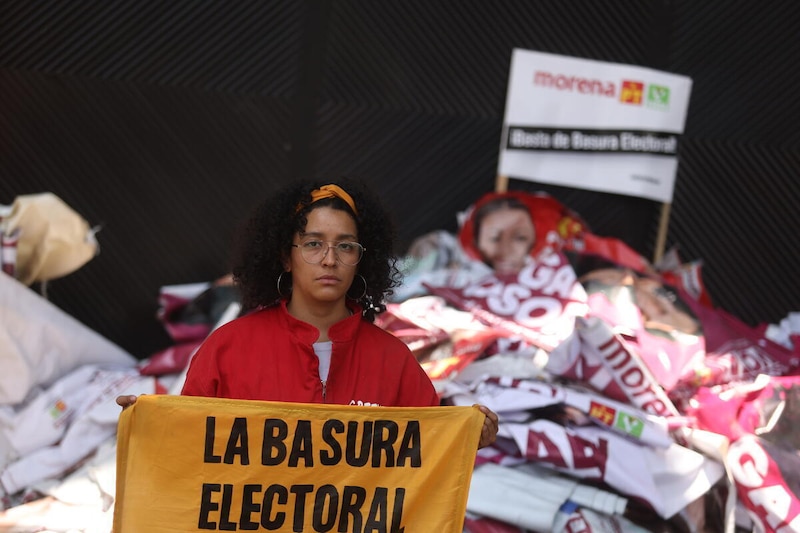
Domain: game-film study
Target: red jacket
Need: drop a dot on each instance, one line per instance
(269, 355)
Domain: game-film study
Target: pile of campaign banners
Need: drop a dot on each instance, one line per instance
(617, 377)
(57, 391)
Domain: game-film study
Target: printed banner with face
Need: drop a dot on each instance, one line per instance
(538, 304)
(593, 125)
(201, 464)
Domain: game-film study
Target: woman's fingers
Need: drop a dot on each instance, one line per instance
(126, 400)
(490, 427)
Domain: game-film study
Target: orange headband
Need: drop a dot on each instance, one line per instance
(331, 191)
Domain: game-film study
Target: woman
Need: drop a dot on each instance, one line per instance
(314, 265)
(663, 311)
(505, 230)
(504, 234)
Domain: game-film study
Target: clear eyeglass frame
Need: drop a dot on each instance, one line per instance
(314, 251)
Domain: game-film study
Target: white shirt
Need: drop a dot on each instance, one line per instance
(323, 351)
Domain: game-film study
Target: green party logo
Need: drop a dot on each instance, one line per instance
(657, 97)
(629, 424)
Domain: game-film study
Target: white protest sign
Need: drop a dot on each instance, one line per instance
(593, 125)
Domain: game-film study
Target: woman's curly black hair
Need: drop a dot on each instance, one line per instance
(265, 242)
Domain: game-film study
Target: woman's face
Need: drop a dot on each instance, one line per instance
(505, 239)
(656, 303)
(659, 309)
(326, 282)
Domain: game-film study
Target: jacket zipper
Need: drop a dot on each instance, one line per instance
(324, 388)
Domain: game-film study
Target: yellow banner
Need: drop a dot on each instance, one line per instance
(201, 464)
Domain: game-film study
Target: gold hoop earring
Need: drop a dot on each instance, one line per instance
(363, 293)
(280, 293)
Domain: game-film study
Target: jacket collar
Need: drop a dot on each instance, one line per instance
(343, 331)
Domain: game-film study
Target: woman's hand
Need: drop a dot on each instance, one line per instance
(490, 426)
(126, 400)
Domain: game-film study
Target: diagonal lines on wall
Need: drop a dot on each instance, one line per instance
(167, 121)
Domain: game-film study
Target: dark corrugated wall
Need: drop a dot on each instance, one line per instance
(166, 121)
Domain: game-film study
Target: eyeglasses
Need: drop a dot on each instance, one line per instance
(315, 251)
